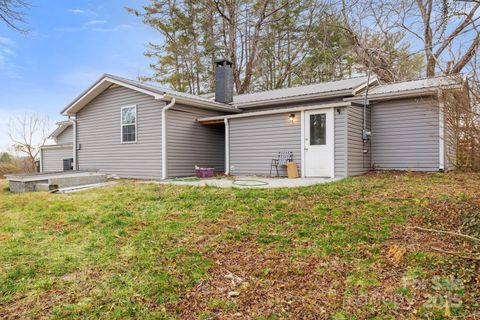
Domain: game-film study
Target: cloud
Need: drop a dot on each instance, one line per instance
(76, 11)
(6, 42)
(9, 51)
(98, 26)
(7, 67)
(119, 27)
(82, 12)
(95, 22)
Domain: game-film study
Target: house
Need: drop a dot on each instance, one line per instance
(136, 130)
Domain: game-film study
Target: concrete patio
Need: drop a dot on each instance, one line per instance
(249, 182)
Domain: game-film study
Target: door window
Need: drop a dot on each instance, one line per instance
(318, 123)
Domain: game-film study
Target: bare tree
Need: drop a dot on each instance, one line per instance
(28, 132)
(447, 29)
(12, 12)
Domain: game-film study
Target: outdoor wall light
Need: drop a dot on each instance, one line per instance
(291, 117)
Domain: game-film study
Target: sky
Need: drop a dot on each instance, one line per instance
(70, 44)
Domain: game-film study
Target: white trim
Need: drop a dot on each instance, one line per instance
(101, 82)
(227, 147)
(302, 143)
(74, 143)
(164, 139)
(276, 111)
(372, 96)
(122, 125)
(330, 139)
(373, 80)
(61, 126)
(106, 80)
(441, 133)
(296, 98)
(41, 160)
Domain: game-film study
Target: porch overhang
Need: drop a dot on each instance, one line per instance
(221, 119)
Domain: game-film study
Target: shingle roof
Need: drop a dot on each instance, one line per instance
(419, 84)
(324, 87)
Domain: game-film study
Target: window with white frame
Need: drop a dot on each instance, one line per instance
(129, 124)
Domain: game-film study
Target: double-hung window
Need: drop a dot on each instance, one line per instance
(129, 124)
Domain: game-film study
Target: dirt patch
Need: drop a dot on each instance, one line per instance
(68, 289)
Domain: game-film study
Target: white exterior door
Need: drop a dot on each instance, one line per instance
(318, 144)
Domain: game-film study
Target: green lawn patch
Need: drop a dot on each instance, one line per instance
(139, 250)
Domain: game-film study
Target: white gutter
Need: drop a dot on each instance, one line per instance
(41, 160)
(164, 138)
(401, 94)
(441, 132)
(199, 103)
(298, 98)
(227, 147)
(277, 111)
(302, 142)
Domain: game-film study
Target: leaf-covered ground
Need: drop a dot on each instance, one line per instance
(336, 251)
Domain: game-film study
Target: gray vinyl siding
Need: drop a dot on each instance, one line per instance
(52, 158)
(359, 162)
(66, 137)
(190, 143)
(340, 143)
(405, 135)
(255, 141)
(99, 135)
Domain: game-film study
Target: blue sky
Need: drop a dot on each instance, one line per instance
(70, 44)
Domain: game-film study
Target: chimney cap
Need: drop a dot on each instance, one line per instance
(223, 62)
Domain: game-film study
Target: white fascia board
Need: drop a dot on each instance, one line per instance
(402, 94)
(277, 111)
(98, 88)
(198, 103)
(299, 98)
(61, 127)
(373, 80)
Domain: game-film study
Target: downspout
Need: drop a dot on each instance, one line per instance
(441, 131)
(365, 132)
(164, 138)
(73, 120)
(227, 147)
(41, 160)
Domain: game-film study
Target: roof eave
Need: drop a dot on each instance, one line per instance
(105, 81)
(300, 98)
(62, 125)
(198, 103)
(404, 94)
(276, 111)
(94, 90)
(373, 80)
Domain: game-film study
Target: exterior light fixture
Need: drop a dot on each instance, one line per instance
(291, 117)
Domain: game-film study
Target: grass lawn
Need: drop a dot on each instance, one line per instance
(334, 251)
